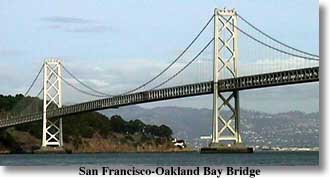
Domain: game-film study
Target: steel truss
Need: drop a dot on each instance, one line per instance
(225, 128)
(52, 127)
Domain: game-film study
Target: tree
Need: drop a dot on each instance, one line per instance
(118, 124)
(165, 131)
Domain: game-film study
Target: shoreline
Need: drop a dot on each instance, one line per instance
(2, 153)
(101, 152)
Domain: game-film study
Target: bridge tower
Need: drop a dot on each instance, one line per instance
(225, 127)
(52, 128)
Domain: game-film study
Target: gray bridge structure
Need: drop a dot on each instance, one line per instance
(227, 82)
(290, 77)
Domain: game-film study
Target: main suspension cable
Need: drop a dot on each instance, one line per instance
(272, 38)
(84, 84)
(80, 90)
(34, 81)
(41, 90)
(173, 62)
(191, 61)
(269, 46)
(76, 88)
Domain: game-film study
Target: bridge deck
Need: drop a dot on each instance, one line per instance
(241, 83)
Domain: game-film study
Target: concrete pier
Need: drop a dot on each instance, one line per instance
(50, 150)
(221, 148)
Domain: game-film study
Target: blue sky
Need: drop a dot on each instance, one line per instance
(116, 45)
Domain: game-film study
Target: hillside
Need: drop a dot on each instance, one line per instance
(292, 128)
(87, 132)
(110, 132)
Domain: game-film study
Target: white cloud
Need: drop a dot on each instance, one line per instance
(76, 24)
(10, 52)
(99, 83)
(273, 65)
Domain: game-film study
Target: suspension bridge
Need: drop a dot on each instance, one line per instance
(263, 60)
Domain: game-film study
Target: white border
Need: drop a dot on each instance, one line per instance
(267, 172)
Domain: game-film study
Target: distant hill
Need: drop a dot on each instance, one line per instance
(292, 128)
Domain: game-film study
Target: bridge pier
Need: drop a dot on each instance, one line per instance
(226, 116)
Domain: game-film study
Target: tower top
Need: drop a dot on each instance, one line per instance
(225, 12)
(53, 60)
